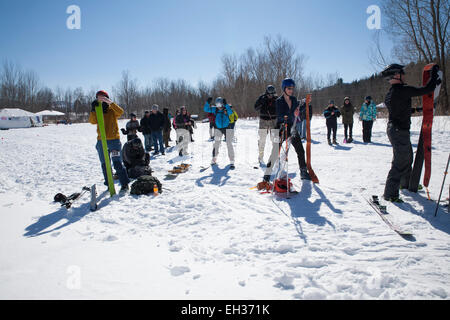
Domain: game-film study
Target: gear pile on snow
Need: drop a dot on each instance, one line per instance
(145, 185)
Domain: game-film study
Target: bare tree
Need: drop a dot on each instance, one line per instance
(420, 29)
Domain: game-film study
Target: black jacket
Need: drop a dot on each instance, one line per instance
(132, 127)
(398, 102)
(145, 125)
(183, 122)
(303, 111)
(133, 157)
(156, 121)
(331, 118)
(266, 107)
(282, 109)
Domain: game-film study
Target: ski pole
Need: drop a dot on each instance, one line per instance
(442, 187)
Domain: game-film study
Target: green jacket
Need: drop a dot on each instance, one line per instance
(347, 112)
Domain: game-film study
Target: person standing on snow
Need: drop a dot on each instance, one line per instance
(331, 113)
(301, 122)
(111, 112)
(368, 115)
(265, 105)
(398, 102)
(287, 109)
(147, 131)
(184, 124)
(167, 127)
(132, 127)
(157, 126)
(347, 112)
(222, 111)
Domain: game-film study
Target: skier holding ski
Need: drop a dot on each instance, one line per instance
(132, 127)
(347, 112)
(398, 102)
(222, 111)
(265, 105)
(111, 113)
(331, 113)
(287, 109)
(368, 115)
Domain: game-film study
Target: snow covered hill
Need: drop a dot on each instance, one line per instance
(208, 235)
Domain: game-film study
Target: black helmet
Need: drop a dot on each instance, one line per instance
(133, 115)
(271, 89)
(368, 98)
(392, 69)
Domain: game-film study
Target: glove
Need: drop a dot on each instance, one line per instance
(125, 132)
(225, 102)
(434, 71)
(209, 101)
(93, 105)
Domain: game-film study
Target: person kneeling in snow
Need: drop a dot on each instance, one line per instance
(111, 112)
(135, 159)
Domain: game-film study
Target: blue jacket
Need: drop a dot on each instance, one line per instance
(222, 116)
(282, 110)
(368, 112)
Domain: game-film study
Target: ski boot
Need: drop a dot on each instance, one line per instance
(304, 175)
(394, 199)
(329, 142)
(335, 142)
(124, 189)
(232, 167)
(214, 161)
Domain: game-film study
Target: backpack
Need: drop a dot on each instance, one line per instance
(144, 185)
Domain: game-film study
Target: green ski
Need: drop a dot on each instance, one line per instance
(101, 126)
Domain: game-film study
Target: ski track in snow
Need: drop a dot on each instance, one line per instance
(210, 236)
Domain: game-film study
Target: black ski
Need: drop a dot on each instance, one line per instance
(381, 210)
(68, 201)
(93, 203)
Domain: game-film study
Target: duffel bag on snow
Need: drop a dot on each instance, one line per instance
(145, 185)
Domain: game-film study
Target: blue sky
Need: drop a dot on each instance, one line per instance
(177, 39)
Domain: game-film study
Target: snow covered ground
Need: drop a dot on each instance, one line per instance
(211, 236)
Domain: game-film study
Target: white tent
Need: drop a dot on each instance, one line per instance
(50, 113)
(18, 118)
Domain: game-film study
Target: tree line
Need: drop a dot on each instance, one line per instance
(418, 28)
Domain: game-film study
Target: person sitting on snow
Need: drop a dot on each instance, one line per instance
(135, 159)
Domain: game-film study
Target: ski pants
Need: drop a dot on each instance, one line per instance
(348, 128)
(265, 127)
(148, 141)
(166, 136)
(296, 142)
(229, 135)
(331, 126)
(157, 137)
(184, 138)
(401, 162)
(114, 150)
(367, 130)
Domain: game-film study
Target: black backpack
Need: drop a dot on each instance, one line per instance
(145, 185)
